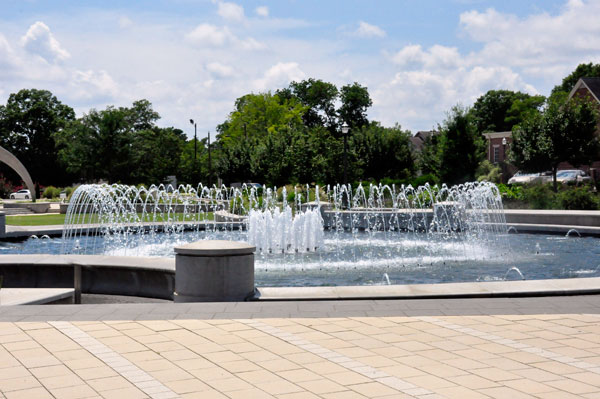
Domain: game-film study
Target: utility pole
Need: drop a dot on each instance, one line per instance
(195, 150)
(209, 164)
(345, 130)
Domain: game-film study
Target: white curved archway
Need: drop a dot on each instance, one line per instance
(17, 166)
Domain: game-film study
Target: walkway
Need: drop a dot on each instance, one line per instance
(456, 348)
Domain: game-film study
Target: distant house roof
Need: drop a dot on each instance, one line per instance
(418, 140)
(592, 84)
(497, 135)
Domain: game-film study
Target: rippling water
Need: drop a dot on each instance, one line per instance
(361, 258)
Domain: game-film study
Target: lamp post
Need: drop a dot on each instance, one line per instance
(195, 148)
(503, 159)
(345, 130)
(209, 163)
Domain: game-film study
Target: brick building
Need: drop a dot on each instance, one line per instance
(498, 143)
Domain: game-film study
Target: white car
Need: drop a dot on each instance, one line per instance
(572, 176)
(21, 194)
(527, 178)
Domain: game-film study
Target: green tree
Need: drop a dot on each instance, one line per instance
(582, 71)
(255, 115)
(500, 110)
(355, 102)
(156, 154)
(120, 145)
(319, 98)
(429, 160)
(382, 152)
(564, 132)
(461, 147)
(28, 123)
(523, 108)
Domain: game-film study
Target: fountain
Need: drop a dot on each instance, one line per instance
(311, 236)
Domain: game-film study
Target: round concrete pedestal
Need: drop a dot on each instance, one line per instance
(214, 271)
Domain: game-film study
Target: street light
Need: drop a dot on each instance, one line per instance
(345, 130)
(195, 148)
(209, 164)
(503, 159)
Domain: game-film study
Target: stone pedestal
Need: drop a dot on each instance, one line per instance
(2, 224)
(214, 271)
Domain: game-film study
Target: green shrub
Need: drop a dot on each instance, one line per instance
(51, 192)
(540, 196)
(70, 191)
(510, 192)
(578, 198)
(421, 180)
(486, 171)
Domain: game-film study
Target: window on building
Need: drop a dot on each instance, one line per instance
(496, 154)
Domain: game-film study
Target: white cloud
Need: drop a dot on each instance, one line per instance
(279, 75)
(262, 11)
(539, 40)
(40, 41)
(413, 56)
(207, 35)
(95, 85)
(8, 59)
(368, 30)
(125, 22)
(220, 70)
(251, 44)
(230, 11)
(210, 35)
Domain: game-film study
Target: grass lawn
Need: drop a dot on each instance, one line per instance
(47, 219)
(36, 220)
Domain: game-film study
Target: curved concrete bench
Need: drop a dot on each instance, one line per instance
(110, 275)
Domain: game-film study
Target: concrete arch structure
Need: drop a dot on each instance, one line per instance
(17, 166)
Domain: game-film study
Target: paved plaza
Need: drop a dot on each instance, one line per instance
(547, 347)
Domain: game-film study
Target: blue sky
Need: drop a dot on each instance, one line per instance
(193, 58)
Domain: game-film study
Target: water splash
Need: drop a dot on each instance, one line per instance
(372, 224)
(516, 270)
(571, 232)
(386, 279)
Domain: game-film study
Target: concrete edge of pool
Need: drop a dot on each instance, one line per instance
(155, 278)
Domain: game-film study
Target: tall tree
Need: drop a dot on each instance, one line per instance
(564, 132)
(500, 110)
(582, 71)
(319, 98)
(156, 154)
(120, 145)
(257, 114)
(355, 102)
(28, 124)
(461, 147)
(382, 152)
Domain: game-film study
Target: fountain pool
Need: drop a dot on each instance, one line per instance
(325, 236)
(363, 259)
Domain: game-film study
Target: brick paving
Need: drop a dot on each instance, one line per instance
(460, 348)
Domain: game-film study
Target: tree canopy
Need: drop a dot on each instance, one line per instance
(120, 145)
(563, 132)
(500, 110)
(582, 71)
(28, 123)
